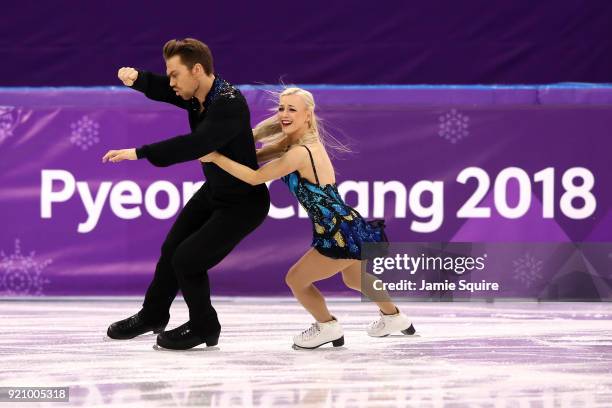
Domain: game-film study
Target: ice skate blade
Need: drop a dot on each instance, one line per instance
(339, 342)
(410, 331)
(145, 335)
(157, 347)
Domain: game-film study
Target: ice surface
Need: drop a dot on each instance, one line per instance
(503, 354)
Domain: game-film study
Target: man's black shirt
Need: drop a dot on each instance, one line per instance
(224, 126)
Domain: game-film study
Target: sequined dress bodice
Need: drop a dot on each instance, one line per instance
(338, 229)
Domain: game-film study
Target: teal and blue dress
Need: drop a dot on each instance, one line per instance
(338, 230)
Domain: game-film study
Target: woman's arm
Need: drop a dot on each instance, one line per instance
(269, 152)
(287, 163)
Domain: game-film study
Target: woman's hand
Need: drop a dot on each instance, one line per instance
(209, 158)
(116, 156)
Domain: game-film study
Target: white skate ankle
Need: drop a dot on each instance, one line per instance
(319, 334)
(387, 324)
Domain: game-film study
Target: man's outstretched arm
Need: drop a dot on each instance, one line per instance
(155, 87)
(223, 122)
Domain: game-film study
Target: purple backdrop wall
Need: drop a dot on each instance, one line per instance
(70, 42)
(52, 141)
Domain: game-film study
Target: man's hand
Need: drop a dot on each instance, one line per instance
(210, 157)
(127, 75)
(116, 156)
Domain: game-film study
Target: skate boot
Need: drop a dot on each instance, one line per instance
(387, 324)
(135, 326)
(318, 334)
(184, 337)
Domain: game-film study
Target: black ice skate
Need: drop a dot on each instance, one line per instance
(134, 326)
(184, 337)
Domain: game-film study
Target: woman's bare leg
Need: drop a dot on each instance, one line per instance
(351, 275)
(313, 267)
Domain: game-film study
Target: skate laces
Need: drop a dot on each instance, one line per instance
(378, 323)
(131, 321)
(311, 332)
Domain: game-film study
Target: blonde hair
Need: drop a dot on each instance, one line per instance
(269, 131)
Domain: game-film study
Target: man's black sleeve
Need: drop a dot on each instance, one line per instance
(223, 122)
(158, 88)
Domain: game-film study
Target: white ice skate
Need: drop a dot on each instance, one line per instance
(319, 334)
(387, 324)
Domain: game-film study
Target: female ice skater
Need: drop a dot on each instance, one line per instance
(296, 144)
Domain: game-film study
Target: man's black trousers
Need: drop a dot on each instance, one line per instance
(205, 231)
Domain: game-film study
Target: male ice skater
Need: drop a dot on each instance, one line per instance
(218, 216)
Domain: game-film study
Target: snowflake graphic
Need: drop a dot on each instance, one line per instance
(453, 126)
(84, 133)
(21, 275)
(10, 117)
(527, 269)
